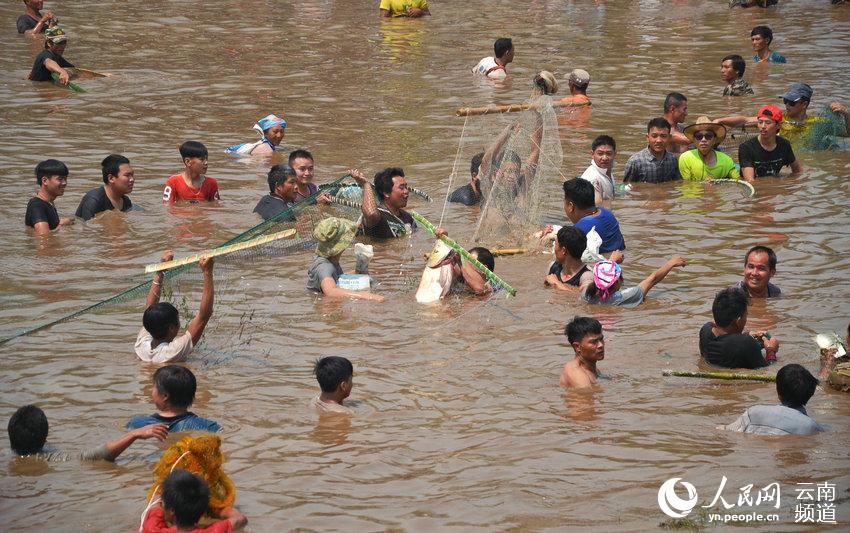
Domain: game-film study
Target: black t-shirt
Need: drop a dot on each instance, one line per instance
(271, 206)
(557, 268)
(735, 350)
(26, 23)
(96, 201)
(40, 211)
(464, 195)
(40, 72)
(383, 230)
(752, 154)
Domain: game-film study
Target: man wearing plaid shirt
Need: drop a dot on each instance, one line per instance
(653, 164)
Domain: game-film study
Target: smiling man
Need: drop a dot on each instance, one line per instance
(653, 164)
(600, 173)
(283, 184)
(118, 181)
(391, 187)
(759, 268)
(52, 178)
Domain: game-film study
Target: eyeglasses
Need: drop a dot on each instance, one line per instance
(707, 135)
(791, 103)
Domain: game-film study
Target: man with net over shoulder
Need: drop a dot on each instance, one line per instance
(385, 221)
(157, 341)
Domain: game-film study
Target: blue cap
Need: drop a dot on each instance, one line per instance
(798, 90)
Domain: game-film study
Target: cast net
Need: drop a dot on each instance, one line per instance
(524, 159)
(235, 320)
(827, 132)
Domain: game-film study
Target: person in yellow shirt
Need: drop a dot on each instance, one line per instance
(705, 162)
(404, 8)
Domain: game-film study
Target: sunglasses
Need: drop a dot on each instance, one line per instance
(791, 102)
(707, 135)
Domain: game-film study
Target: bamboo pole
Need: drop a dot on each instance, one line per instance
(493, 278)
(71, 85)
(215, 252)
(92, 73)
(508, 108)
(508, 251)
(720, 375)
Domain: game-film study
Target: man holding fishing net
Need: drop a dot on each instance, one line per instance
(51, 60)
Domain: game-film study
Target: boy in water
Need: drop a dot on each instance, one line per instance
(795, 386)
(173, 393)
(191, 185)
(336, 377)
(605, 288)
(334, 235)
(52, 178)
(28, 433)
(585, 336)
(494, 66)
(185, 498)
(724, 343)
(568, 272)
(157, 342)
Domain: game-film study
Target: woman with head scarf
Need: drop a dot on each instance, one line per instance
(271, 129)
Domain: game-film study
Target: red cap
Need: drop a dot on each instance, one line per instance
(770, 112)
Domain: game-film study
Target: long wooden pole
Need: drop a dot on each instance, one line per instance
(509, 108)
(720, 375)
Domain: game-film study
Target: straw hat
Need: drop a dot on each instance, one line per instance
(438, 254)
(704, 123)
(334, 235)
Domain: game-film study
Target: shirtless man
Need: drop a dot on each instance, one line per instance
(675, 113)
(585, 335)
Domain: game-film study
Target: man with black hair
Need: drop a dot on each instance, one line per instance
(585, 336)
(654, 164)
(157, 341)
(600, 173)
(391, 188)
(494, 66)
(118, 180)
(759, 268)
(51, 176)
(335, 375)
(283, 183)
(33, 21)
(580, 207)
(185, 499)
(51, 60)
(795, 386)
(762, 37)
(469, 194)
(173, 393)
(732, 69)
(568, 270)
(675, 113)
(28, 429)
(192, 184)
(724, 343)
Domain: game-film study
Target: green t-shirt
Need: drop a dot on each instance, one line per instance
(692, 167)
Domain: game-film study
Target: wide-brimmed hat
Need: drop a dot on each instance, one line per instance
(704, 123)
(334, 235)
(439, 253)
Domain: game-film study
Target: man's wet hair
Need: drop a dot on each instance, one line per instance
(580, 327)
(186, 495)
(193, 149)
(485, 257)
(604, 140)
(332, 370)
(738, 63)
(674, 100)
(50, 167)
(728, 305)
(384, 180)
(771, 255)
(795, 385)
(573, 240)
(502, 46)
(765, 32)
(278, 175)
(476, 162)
(110, 165)
(299, 154)
(659, 123)
(580, 192)
(158, 318)
(176, 382)
(28, 430)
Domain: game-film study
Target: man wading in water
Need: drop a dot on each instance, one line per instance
(585, 336)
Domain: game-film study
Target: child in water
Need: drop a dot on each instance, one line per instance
(173, 393)
(334, 235)
(185, 498)
(192, 185)
(336, 377)
(606, 287)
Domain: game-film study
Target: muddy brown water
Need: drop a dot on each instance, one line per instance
(460, 421)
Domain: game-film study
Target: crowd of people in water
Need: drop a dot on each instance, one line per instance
(593, 272)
